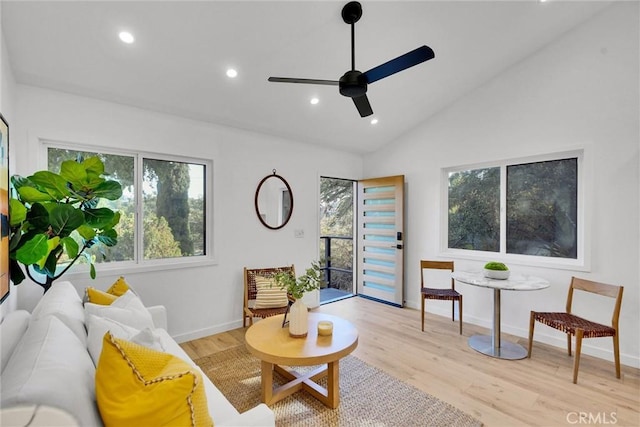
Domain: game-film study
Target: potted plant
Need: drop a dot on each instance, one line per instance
(56, 217)
(296, 287)
(496, 270)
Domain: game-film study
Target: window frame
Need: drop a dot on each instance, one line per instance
(139, 264)
(580, 263)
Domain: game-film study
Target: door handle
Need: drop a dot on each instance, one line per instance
(396, 246)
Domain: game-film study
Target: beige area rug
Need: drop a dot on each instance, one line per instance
(368, 396)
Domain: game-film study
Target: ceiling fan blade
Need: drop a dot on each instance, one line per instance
(408, 60)
(306, 81)
(363, 106)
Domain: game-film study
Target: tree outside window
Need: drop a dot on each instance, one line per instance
(172, 205)
(540, 212)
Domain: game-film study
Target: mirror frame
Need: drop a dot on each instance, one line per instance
(286, 220)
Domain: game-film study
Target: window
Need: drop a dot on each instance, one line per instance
(527, 208)
(163, 207)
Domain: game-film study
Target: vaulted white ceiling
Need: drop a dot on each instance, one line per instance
(182, 49)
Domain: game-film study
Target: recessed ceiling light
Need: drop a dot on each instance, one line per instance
(232, 73)
(126, 37)
(314, 101)
(374, 121)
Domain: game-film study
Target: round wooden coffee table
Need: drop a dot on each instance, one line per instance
(271, 343)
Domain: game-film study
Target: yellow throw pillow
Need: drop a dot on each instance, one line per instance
(269, 294)
(96, 296)
(137, 386)
(119, 287)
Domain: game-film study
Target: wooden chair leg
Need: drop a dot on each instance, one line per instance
(453, 310)
(616, 355)
(532, 323)
(569, 344)
(576, 361)
(460, 313)
(422, 311)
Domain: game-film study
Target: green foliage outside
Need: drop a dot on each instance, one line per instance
(336, 220)
(173, 222)
(58, 216)
(541, 209)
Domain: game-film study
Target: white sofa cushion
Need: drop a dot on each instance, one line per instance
(13, 327)
(50, 366)
(97, 327)
(62, 300)
(221, 410)
(127, 309)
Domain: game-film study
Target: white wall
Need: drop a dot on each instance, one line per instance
(202, 300)
(579, 92)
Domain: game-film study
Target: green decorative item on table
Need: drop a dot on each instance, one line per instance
(296, 287)
(496, 270)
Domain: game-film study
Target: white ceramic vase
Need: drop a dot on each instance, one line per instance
(298, 319)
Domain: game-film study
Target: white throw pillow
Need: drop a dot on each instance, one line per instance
(98, 326)
(12, 328)
(128, 310)
(269, 294)
(51, 367)
(62, 300)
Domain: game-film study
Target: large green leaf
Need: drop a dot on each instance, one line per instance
(38, 217)
(86, 232)
(33, 250)
(70, 246)
(111, 190)
(94, 165)
(17, 212)
(52, 244)
(16, 275)
(74, 172)
(98, 218)
(32, 195)
(52, 183)
(65, 219)
(109, 237)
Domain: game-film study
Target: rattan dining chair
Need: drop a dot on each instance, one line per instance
(571, 324)
(443, 294)
(251, 292)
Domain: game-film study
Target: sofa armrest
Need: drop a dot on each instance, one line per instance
(159, 316)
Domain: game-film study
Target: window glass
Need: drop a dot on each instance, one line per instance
(173, 200)
(542, 208)
(474, 209)
(516, 207)
(118, 168)
(172, 208)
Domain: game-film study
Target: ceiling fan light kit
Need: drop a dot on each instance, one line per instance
(353, 84)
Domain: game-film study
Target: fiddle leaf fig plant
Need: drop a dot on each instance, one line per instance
(50, 210)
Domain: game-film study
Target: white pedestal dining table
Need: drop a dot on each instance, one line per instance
(492, 345)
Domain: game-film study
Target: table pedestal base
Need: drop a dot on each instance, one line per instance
(329, 396)
(505, 350)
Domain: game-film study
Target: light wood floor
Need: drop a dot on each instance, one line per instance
(536, 391)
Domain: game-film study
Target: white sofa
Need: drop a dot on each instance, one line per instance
(46, 360)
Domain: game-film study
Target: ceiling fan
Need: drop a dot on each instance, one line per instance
(353, 83)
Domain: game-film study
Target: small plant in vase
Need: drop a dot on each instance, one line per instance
(296, 287)
(496, 270)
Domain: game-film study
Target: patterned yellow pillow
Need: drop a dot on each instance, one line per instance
(269, 294)
(138, 386)
(96, 296)
(119, 287)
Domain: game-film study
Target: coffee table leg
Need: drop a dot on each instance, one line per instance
(267, 382)
(333, 384)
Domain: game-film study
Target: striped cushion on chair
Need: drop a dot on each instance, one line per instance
(269, 294)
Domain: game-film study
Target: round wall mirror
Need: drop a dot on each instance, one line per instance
(274, 201)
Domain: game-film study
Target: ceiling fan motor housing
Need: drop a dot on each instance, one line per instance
(353, 84)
